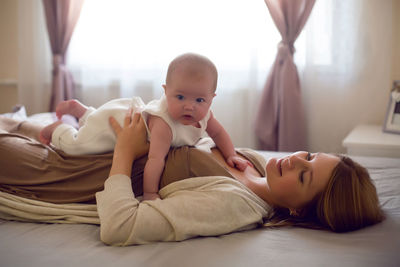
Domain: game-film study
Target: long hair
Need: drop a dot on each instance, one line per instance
(349, 202)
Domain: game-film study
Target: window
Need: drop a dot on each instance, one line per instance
(125, 41)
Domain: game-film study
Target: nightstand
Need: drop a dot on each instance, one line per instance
(370, 140)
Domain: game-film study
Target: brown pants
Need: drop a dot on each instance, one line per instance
(33, 170)
(36, 171)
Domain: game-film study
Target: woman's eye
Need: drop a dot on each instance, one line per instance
(180, 97)
(200, 100)
(301, 178)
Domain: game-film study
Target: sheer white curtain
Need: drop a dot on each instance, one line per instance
(122, 48)
(344, 58)
(34, 57)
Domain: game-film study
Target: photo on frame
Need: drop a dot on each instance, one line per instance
(392, 119)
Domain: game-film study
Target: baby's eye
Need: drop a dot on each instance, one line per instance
(180, 97)
(200, 100)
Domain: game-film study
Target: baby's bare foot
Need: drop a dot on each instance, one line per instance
(46, 132)
(71, 107)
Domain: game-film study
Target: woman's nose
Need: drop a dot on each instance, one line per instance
(296, 160)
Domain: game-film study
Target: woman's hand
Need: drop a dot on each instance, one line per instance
(130, 144)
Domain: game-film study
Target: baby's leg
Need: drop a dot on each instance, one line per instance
(95, 134)
(46, 132)
(71, 107)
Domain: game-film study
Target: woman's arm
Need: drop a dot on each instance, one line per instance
(184, 212)
(116, 204)
(131, 143)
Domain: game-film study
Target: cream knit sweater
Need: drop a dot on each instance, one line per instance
(202, 206)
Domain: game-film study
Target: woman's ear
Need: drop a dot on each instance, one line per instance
(294, 212)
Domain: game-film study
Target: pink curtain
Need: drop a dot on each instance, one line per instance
(61, 18)
(280, 122)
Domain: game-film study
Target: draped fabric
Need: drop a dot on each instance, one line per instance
(61, 18)
(280, 122)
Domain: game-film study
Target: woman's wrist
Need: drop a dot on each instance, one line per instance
(122, 163)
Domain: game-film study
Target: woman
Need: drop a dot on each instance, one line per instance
(310, 190)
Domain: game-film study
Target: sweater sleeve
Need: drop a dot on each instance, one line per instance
(123, 217)
(206, 206)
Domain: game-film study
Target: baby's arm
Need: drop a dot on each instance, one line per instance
(225, 145)
(161, 137)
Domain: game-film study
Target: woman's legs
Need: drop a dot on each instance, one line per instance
(33, 170)
(25, 128)
(36, 171)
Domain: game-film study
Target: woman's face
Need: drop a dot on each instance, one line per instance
(293, 181)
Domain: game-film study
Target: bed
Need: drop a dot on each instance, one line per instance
(78, 244)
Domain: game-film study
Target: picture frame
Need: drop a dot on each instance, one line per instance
(392, 118)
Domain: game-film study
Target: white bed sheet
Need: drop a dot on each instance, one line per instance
(36, 244)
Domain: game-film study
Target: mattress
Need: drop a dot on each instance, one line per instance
(42, 244)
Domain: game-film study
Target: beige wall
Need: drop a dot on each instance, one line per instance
(396, 41)
(8, 54)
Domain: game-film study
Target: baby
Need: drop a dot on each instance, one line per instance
(182, 116)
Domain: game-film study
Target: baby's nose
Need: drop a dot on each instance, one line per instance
(188, 106)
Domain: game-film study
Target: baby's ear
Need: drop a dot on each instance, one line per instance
(165, 88)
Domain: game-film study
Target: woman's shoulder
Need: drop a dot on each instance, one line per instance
(255, 158)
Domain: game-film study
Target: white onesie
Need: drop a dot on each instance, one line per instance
(96, 136)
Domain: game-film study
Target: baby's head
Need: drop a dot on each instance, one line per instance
(190, 87)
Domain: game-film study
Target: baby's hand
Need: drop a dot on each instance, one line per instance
(150, 196)
(238, 163)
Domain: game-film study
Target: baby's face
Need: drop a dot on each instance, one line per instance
(189, 97)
